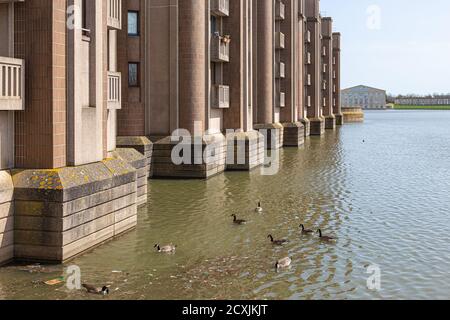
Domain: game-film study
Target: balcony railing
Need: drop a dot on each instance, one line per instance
(281, 100)
(114, 90)
(221, 97)
(115, 14)
(220, 8)
(12, 84)
(220, 49)
(280, 10)
(279, 40)
(281, 70)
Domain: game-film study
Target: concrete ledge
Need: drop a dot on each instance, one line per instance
(196, 166)
(141, 144)
(245, 151)
(330, 122)
(62, 213)
(294, 134)
(273, 135)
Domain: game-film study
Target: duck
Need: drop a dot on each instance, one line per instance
(277, 242)
(96, 290)
(283, 263)
(306, 231)
(325, 238)
(259, 208)
(165, 249)
(238, 221)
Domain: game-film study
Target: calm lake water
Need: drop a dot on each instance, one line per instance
(386, 200)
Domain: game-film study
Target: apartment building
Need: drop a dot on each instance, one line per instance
(96, 96)
(64, 187)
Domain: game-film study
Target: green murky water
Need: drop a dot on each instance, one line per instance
(385, 199)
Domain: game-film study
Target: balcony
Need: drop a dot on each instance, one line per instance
(221, 97)
(280, 9)
(220, 8)
(115, 14)
(281, 70)
(281, 100)
(12, 84)
(220, 48)
(114, 90)
(279, 40)
(308, 37)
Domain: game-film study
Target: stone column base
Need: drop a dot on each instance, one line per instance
(139, 162)
(245, 151)
(330, 122)
(317, 126)
(61, 213)
(273, 135)
(194, 166)
(294, 134)
(6, 218)
(339, 119)
(307, 125)
(141, 144)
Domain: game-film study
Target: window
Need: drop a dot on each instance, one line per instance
(133, 23)
(133, 74)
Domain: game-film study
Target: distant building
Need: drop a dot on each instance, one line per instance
(365, 97)
(422, 101)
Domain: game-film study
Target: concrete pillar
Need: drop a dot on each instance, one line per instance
(327, 73)
(313, 47)
(336, 74)
(301, 71)
(192, 66)
(265, 36)
(293, 134)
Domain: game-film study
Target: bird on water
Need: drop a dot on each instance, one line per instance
(238, 221)
(277, 242)
(306, 231)
(96, 290)
(259, 208)
(325, 238)
(165, 249)
(283, 263)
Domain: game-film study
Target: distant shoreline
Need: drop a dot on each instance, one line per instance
(412, 107)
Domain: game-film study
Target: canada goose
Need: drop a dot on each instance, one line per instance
(166, 249)
(324, 238)
(306, 231)
(259, 208)
(283, 263)
(238, 221)
(277, 242)
(95, 290)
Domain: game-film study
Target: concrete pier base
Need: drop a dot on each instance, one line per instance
(245, 151)
(61, 213)
(330, 123)
(6, 218)
(195, 164)
(273, 135)
(294, 134)
(339, 119)
(139, 162)
(141, 144)
(317, 126)
(307, 125)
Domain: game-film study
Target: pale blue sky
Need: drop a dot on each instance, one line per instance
(408, 53)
